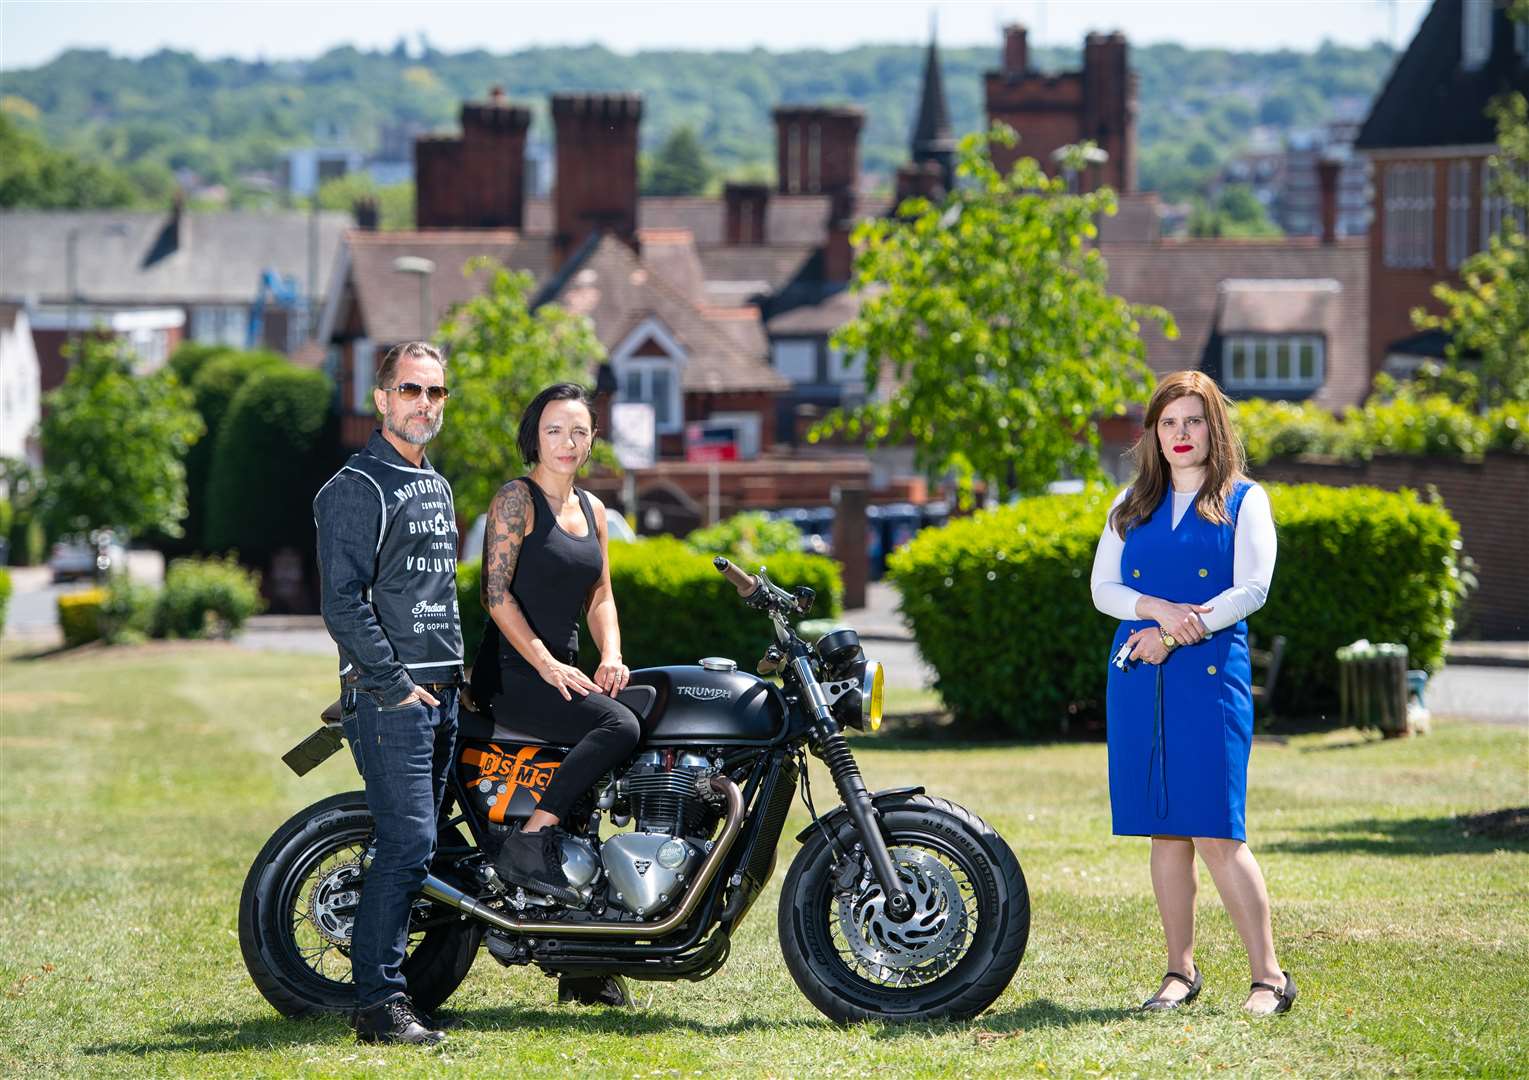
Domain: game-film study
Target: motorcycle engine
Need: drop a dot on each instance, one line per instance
(664, 792)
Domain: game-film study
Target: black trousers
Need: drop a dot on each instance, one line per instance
(602, 731)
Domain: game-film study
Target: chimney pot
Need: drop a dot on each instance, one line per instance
(1016, 51)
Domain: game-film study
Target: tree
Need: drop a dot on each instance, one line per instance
(990, 320)
(395, 202)
(276, 445)
(1237, 213)
(501, 355)
(114, 445)
(34, 175)
(1487, 317)
(679, 167)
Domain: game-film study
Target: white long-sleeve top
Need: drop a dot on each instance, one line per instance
(1252, 564)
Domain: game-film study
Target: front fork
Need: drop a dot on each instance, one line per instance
(835, 752)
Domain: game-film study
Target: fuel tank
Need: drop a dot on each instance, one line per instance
(688, 704)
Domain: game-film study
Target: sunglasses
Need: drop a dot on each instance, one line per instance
(411, 390)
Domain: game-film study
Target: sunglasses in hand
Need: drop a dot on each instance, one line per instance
(411, 390)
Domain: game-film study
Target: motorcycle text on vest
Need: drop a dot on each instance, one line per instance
(898, 905)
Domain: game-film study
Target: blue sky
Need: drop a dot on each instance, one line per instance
(34, 31)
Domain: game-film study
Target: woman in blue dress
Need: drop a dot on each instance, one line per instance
(1186, 555)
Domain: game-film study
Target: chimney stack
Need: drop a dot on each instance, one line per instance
(596, 137)
(477, 180)
(1327, 186)
(366, 213)
(1016, 51)
(817, 149)
(746, 207)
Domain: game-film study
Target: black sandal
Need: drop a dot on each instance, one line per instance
(1158, 1003)
(1286, 995)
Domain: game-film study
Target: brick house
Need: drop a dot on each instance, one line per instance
(1428, 137)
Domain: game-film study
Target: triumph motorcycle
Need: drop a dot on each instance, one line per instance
(898, 906)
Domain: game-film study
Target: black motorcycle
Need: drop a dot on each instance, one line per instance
(898, 906)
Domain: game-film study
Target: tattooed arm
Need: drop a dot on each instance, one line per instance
(509, 521)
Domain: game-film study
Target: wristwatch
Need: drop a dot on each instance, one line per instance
(1168, 639)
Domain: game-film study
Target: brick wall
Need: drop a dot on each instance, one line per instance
(1490, 500)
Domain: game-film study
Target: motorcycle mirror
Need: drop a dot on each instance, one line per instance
(804, 598)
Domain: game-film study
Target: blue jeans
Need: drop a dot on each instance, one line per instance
(404, 754)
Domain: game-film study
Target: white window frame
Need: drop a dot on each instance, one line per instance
(1249, 381)
(363, 375)
(1475, 33)
(842, 371)
(220, 324)
(1495, 208)
(1408, 241)
(1457, 247)
(625, 364)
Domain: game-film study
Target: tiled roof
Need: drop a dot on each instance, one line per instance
(1429, 100)
(618, 293)
(813, 319)
(735, 275)
(1254, 306)
(789, 219)
(1268, 278)
(390, 300)
(137, 257)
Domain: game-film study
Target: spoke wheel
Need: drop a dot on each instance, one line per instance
(299, 907)
(950, 958)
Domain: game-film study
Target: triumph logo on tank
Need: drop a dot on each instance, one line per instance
(703, 693)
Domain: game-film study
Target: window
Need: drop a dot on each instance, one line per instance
(797, 359)
(1409, 215)
(653, 382)
(220, 325)
(363, 354)
(1458, 244)
(1495, 208)
(1273, 362)
(842, 369)
(1475, 33)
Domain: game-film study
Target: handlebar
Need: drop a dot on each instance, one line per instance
(757, 590)
(740, 579)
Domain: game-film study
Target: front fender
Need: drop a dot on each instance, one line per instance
(830, 820)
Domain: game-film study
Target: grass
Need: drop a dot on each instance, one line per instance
(136, 784)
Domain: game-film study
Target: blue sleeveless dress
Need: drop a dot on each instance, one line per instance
(1179, 732)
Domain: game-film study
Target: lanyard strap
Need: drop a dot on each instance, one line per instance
(1158, 759)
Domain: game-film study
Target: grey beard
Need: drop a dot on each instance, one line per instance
(413, 438)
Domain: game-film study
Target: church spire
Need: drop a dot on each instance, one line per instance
(932, 140)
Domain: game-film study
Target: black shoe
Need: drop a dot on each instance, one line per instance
(1158, 1003)
(1285, 994)
(395, 1021)
(594, 990)
(535, 861)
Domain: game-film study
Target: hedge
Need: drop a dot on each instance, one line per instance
(79, 616)
(1001, 609)
(1426, 425)
(673, 605)
(205, 597)
(5, 595)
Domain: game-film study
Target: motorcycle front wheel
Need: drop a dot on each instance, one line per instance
(950, 959)
(298, 905)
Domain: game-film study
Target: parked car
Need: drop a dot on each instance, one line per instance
(616, 529)
(96, 555)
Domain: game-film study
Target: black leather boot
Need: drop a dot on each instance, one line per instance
(395, 1021)
(534, 861)
(594, 990)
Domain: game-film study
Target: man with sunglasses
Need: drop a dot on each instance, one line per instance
(387, 550)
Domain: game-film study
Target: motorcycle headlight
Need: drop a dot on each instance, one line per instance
(872, 690)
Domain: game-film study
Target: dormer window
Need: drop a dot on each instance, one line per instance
(1475, 33)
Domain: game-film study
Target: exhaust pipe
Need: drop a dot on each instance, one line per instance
(451, 896)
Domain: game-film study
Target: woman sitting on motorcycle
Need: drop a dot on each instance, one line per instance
(544, 561)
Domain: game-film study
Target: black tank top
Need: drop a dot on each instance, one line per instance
(552, 580)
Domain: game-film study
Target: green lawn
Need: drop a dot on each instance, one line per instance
(136, 784)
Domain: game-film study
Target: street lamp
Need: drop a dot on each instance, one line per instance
(415, 264)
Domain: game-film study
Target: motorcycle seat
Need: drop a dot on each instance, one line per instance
(482, 725)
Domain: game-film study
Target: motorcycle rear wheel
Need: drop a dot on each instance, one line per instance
(295, 908)
(951, 960)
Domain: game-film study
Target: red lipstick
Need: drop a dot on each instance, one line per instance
(1182, 449)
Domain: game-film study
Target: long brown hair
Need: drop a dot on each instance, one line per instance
(1224, 458)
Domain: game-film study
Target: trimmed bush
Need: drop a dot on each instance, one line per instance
(5, 595)
(127, 614)
(1272, 429)
(275, 448)
(750, 532)
(1432, 426)
(79, 616)
(674, 606)
(205, 597)
(1000, 604)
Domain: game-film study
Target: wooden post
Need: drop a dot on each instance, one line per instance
(849, 543)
